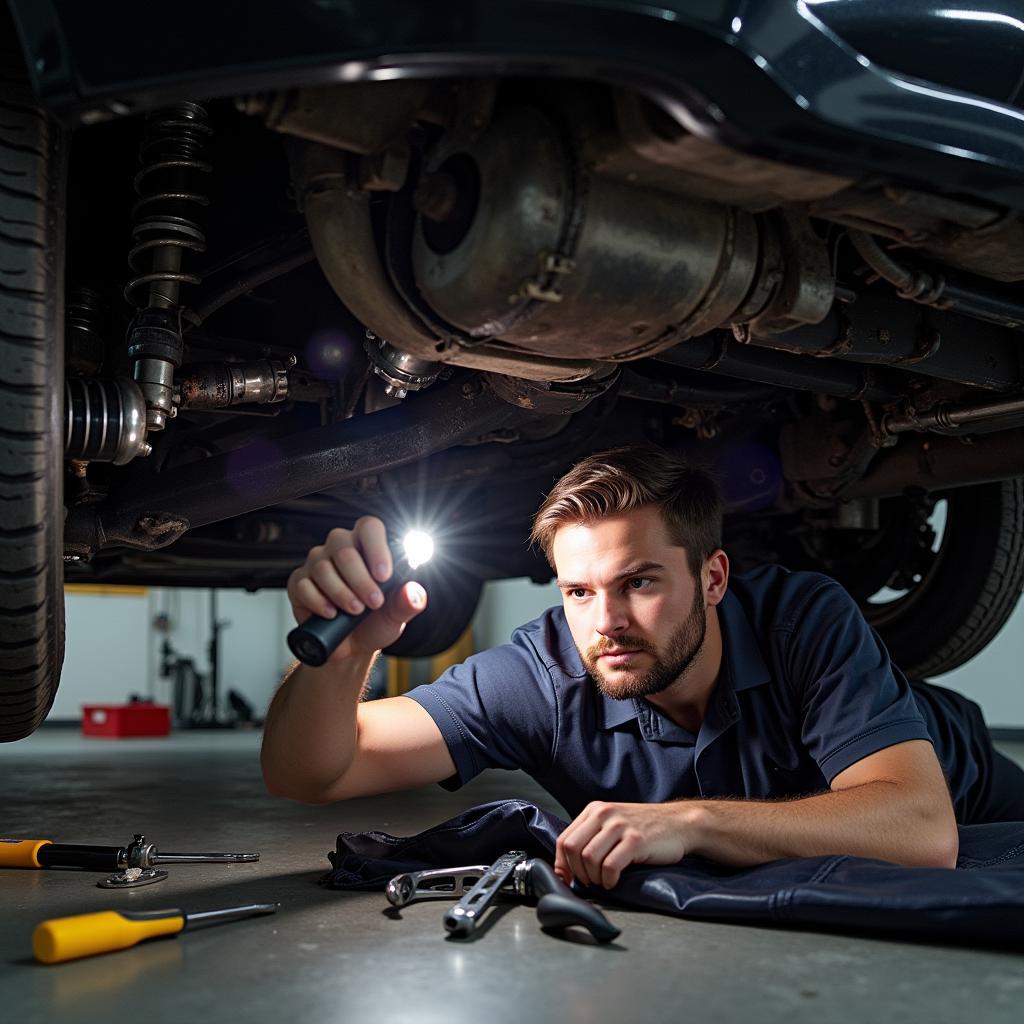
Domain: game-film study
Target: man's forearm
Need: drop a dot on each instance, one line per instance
(892, 805)
(878, 819)
(309, 736)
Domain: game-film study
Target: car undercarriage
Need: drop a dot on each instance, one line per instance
(425, 297)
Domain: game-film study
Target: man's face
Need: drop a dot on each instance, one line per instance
(635, 611)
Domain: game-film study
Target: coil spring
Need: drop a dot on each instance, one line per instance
(173, 156)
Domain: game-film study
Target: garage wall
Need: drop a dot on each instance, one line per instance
(105, 652)
(506, 604)
(113, 650)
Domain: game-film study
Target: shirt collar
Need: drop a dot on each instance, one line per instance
(743, 667)
(617, 712)
(742, 662)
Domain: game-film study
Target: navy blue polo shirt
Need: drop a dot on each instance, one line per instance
(805, 690)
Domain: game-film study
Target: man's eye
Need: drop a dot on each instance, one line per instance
(640, 582)
(578, 592)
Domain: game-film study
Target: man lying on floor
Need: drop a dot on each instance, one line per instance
(670, 709)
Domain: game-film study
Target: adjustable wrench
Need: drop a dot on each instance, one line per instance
(558, 907)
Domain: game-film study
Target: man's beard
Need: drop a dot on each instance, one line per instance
(680, 652)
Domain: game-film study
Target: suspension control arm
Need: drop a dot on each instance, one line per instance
(151, 511)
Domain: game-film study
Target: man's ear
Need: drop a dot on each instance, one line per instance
(715, 576)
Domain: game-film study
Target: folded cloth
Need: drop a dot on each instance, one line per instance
(980, 902)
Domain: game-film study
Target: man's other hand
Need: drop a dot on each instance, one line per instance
(606, 838)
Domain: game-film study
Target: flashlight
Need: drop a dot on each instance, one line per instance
(317, 638)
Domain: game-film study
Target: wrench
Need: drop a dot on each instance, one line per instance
(439, 884)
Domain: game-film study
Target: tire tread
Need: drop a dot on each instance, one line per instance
(32, 162)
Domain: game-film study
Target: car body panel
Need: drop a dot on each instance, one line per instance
(769, 77)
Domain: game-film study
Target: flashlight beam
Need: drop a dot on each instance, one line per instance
(419, 548)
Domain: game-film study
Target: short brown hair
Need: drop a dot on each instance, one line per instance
(622, 479)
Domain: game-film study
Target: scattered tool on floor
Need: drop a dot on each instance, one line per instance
(68, 938)
(131, 878)
(438, 884)
(558, 907)
(464, 917)
(43, 853)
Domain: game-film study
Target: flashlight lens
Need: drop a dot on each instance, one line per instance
(419, 548)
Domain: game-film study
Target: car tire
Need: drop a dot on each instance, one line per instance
(450, 608)
(33, 152)
(969, 590)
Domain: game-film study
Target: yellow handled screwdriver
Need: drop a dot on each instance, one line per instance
(68, 938)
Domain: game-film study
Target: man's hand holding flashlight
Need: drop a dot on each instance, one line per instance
(346, 573)
(351, 597)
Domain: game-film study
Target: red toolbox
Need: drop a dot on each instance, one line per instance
(138, 718)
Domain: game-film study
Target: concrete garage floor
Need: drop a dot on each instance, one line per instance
(329, 956)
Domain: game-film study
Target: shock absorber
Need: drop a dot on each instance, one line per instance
(166, 230)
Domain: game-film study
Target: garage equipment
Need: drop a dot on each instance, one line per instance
(43, 853)
(196, 695)
(138, 717)
(317, 638)
(558, 907)
(68, 938)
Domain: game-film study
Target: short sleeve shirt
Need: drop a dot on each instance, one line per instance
(805, 690)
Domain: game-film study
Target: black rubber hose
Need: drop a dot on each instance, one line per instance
(719, 354)
(710, 392)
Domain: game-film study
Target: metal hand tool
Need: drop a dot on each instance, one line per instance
(43, 853)
(67, 938)
(558, 907)
(463, 918)
(439, 884)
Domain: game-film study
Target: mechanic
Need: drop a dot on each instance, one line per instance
(669, 709)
